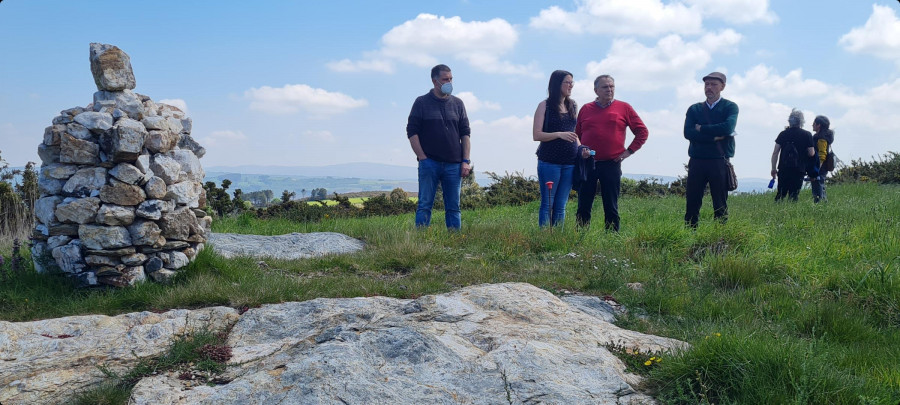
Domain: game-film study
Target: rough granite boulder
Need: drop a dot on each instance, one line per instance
(115, 215)
(78, 151)
(58, 171)
(95, 121)
(85, 182)
(123, 143)
(79, 211)
(111, 68)
(104, 237)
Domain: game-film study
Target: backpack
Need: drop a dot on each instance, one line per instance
(828, 164)
(790, 158)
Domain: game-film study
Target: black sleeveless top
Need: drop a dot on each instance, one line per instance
(558, 151)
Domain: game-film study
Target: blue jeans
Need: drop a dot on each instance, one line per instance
(561, 176)
(431, 172)
(818, 187)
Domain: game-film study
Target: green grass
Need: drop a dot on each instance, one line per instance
(189, 354)
(805, 298)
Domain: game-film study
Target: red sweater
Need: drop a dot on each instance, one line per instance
(603, 129)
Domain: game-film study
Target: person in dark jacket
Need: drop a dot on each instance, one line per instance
(709, 127)
(438, 132)
(793, 149)
(822, 140)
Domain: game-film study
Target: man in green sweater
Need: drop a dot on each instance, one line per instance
(709, 126)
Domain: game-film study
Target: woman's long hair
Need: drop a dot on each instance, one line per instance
(554, 93)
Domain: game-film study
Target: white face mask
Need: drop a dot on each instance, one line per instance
(447, 88)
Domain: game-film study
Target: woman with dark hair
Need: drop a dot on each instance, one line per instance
(822, 140)
(554, 128)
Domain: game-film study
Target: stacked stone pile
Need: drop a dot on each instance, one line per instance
(120, 183)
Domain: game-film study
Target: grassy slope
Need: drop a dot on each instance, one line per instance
(804, 298)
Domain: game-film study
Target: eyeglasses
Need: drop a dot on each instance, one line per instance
(568, 83)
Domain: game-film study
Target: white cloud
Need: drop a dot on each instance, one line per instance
(879, 37)
(672, 60)
(736, 11)
(631, 17)
(428, 39)
(318, 136)
(293, 98)
(474, 104)
(874, 113)
(765, 81)
(223, 138)
(504, 145)
(583, 91)
(373, 65)
(176, 102)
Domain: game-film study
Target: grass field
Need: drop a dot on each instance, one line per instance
(787, 303)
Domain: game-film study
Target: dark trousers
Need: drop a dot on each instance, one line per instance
(609, 174)
(700, 173)
(789, 184)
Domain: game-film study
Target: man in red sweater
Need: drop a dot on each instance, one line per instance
(601, 127)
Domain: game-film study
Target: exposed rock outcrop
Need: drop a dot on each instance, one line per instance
(286, 247)
(46, 362)
(486, 344)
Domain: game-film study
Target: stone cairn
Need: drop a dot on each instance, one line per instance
(120, 184)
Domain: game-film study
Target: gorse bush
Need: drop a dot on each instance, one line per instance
(883, 169)
(512, 189)
(397, 203)
(652, 187)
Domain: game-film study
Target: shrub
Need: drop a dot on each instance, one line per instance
(884, 169)
(512, 189)
(295, 211)
(644, 187)
(398, 203)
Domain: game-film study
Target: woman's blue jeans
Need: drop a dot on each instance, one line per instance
(432, 172)
(561, 176)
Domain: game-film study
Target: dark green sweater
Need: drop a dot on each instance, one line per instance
(720, 121)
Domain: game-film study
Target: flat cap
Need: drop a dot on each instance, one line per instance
(715, 75)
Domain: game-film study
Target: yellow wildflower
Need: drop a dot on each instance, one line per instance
(648, 362)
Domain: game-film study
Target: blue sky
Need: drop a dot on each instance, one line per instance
(318, 83)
